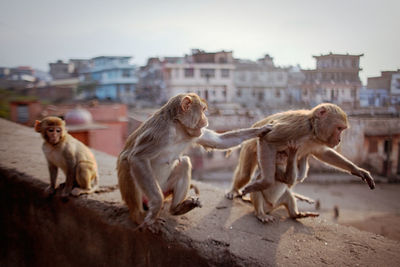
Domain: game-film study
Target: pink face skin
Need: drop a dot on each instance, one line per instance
(53, 135)
(335, 138)
(203, 121)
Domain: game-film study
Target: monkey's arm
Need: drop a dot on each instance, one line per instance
(70, 173)
(53, 170)
(333, 158)
(303, 169)
(213, 140)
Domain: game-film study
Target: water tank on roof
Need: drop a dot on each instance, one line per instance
(78, 116)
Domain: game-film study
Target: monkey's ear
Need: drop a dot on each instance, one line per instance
(321, 112)
(38, 126)
(186, 103)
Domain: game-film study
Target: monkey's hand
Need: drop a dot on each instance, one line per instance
(258, 185)
(264, 130)
(365, 176)
(232, 194)
(292, 147)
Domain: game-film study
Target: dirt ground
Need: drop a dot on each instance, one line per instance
(376, 211)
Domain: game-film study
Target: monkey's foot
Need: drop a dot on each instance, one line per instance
(154, 226)
(265, 218)
(50, 190)
(232, 194)
(306, 214)
(186, 206)
(79, 191)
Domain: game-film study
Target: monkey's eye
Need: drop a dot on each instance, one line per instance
(50, 130)
(58, 130)
(340, 128)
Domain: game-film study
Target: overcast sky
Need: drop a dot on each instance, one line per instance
(36, 32)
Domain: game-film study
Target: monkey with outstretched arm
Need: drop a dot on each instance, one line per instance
(152, 165)
(316, 131)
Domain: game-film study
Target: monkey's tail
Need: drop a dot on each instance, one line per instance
(130, 192)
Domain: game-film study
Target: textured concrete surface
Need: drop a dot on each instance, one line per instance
(95, 230)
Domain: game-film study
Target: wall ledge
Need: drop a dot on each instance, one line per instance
(96, 230)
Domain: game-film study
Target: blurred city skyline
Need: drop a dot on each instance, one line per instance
(35, 33)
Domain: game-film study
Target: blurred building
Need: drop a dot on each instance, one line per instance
(210, 75)
(383, 90)
(261, 83)
(151, 84)
(110, 78)
(335, 80)
(20, 79)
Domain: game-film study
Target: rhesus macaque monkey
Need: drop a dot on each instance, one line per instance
(73, 157)
(316, 131)
(280, 193)
(151, 164)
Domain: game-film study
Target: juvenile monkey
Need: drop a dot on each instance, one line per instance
(152, 165)
(73, 157)
(280, 193)
(316, 131)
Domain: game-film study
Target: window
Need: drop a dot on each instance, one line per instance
(189, 72)
(207, 73)
(225, 73)
(126, 73)
(260, 96)
(277, 93)
(22, 113)
(373, 146)
(239, 92)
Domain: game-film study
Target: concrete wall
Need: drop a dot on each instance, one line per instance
(95, 230)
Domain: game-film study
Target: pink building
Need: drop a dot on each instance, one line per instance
(103, 127)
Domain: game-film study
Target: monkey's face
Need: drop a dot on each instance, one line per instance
(336, 133)
(199, 120)
(53, 134)
(192, 116)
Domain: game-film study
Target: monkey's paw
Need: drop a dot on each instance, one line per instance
(50, 190)
(232, 194)
(365, 176)
(265, 218)
(65, 193)
(152, 225)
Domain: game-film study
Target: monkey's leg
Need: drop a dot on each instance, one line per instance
(85, 173)
(289, 201)
(244, 169)
(267, 163)
(260, 207)
(179, 182)
(130, 192)
(141, 171)
(53, 170)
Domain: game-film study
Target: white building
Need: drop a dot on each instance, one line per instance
(210, 75)
(260, 83)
